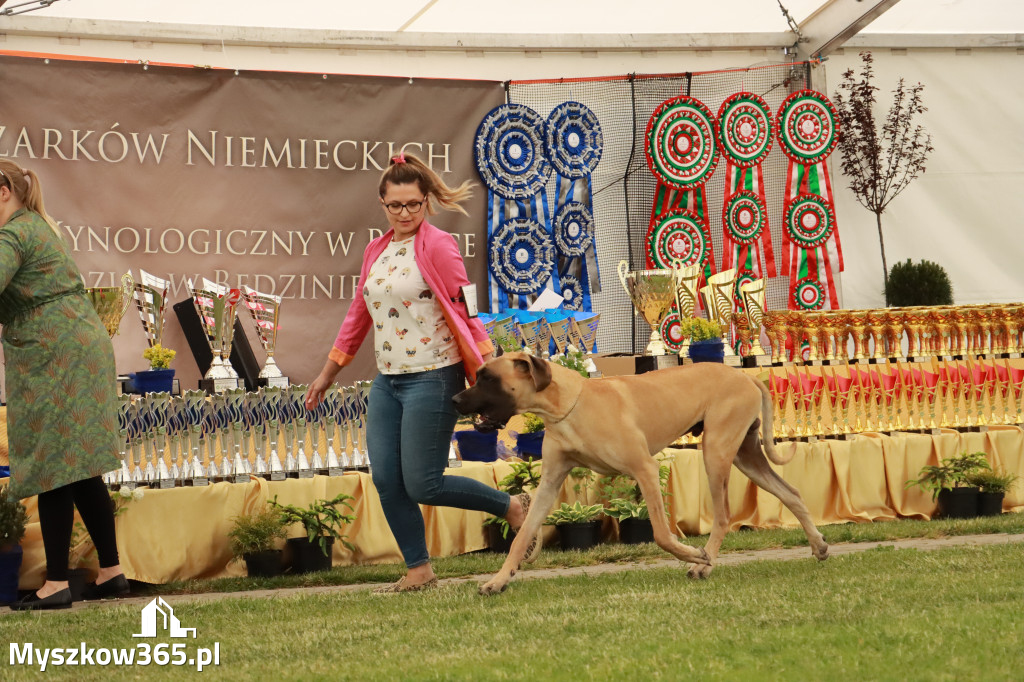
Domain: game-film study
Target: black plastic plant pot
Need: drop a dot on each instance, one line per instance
(579, 535)
(265, 564)
(307, 556)
(958, 503)
(10, 565)
(635, 531)
(990, 504)
(495, 542)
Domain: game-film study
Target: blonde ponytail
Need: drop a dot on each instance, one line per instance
(25, 185)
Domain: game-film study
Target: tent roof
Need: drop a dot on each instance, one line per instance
(541, 16)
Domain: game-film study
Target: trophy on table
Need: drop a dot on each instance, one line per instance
(297, 425)
(112, 302)
(150, 300)
(156, 406)
(717, 298)
(195, 405)
(687, 278)
(535, 335)
(356, 401)
(652, 292)
(560, 331)
(753, 308)
(215, 305)
(329, 420)
(265, 310)
(583, 333)
(234, 399)
(124, 474)
(506, 329)
(271, 398)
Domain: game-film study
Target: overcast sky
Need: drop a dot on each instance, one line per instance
(542, 16)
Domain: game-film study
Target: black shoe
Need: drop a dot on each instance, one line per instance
(31, 602)
(114, 588)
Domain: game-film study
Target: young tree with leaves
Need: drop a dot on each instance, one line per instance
(880, 163)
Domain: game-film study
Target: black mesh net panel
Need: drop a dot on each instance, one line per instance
(624, 186)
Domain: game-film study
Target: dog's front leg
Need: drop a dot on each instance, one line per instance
(553, 472)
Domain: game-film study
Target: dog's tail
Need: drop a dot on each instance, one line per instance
(767, 419)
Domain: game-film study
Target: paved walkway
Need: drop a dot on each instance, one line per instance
(728, 559)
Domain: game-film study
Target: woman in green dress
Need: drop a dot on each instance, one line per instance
(61, 398)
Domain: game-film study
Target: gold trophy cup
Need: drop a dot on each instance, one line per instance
(112, 302)
(753, 306)
(718, 300)
(652, 292)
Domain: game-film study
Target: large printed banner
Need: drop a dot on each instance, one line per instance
(262, 179)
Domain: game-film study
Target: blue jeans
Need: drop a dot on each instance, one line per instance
(408, 435)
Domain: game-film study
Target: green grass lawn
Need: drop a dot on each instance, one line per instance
(878, 615)
(741, 540)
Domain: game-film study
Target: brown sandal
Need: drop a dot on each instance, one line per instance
(401, 586)
(533, 549)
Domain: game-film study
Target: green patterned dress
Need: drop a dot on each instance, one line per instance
(61, 395)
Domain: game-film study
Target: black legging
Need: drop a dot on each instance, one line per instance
(57, 516)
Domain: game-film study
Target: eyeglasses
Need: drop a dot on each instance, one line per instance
(395, 208)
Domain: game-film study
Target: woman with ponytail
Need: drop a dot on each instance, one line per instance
(426, 345)
(61, 395)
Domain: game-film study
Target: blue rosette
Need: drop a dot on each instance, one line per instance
(521, 256)
(509, 151)
(572, 292)
(574, 229)
(574, 140)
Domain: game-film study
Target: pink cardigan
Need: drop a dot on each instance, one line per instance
(439, 261)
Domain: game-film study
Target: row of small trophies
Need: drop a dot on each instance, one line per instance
(216, 306)
(195, 439)
(657, 294)
(537, 332)
(936, 331)
(895, 397)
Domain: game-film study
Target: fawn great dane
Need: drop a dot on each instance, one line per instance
(614, 425)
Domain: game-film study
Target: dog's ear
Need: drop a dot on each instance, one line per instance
(538, 370)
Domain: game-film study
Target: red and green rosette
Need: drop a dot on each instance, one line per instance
(672, 331)
(808, 129)
(746, 136)
(679, 236)
(682, 150)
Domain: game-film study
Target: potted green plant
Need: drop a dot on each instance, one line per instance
(13, 518)
(948, 483)
(160, 377)
(578, 525)
(530, 441)
(992, 488)
(706, 344)
(625, 503)
(918, 284)
(524, 477)
(322, 523)
(253, 538)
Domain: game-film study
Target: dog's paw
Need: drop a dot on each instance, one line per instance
(493, 586)
(820, 553)
(699, 572)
